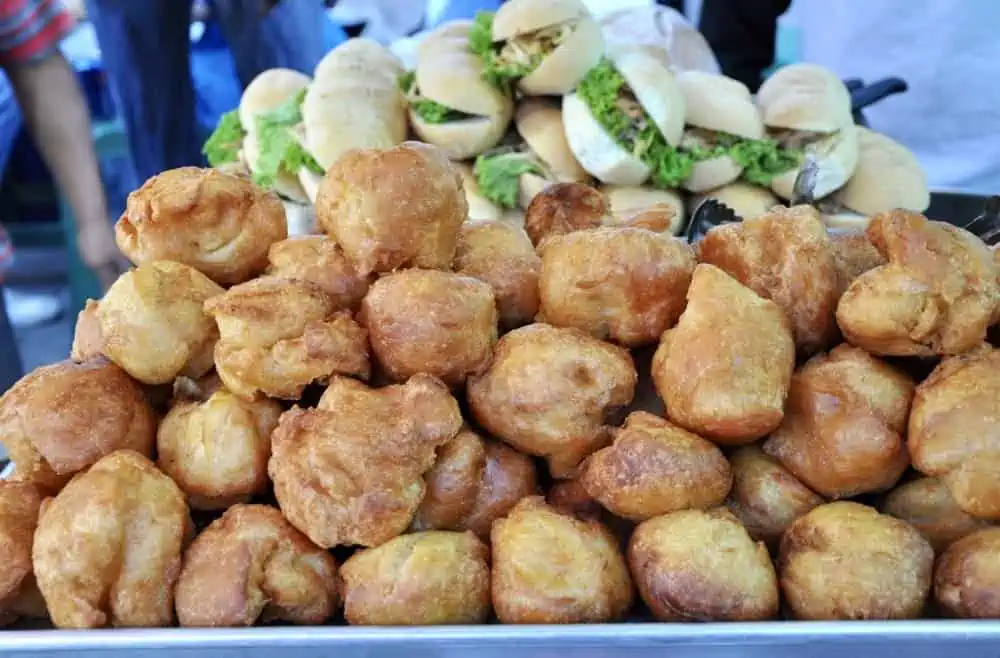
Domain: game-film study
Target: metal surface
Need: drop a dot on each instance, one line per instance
(914, 639)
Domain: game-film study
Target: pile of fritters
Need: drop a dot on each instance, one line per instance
(412, 419)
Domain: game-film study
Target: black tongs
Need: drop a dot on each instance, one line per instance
(987, 224)
(863, 95)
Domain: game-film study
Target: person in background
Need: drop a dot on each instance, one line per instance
(145, 49)
(945, 51)
(56, 115)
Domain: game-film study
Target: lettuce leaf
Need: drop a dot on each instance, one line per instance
(763, 159)
(224, 144)
(498, 176)
(496, 70)
(406, 80)
(434, 112)
(600, 90)
(279, 150)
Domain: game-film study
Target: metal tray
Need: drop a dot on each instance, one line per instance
(914, 639)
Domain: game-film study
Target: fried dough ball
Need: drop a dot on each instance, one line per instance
(350, 472)
(936, 296)
(221, 225)
(19, 505)
(697, 565)
(765, 497)
(622, 284)
(217, 450)
(60, 419)
(251, 564)
(474, 482)
(845, 561)
(552, 568)
(549, 392)
(563, 208)
(427, 578)
(723, 371)
(854, 255)
(439, 323)
(500, 253)
(88, 341)
(277, 336)
(967, 577)
(844, 424)
(319, 260)
(927, 505)
(784, 255)
(107, 551)
(954, 429)
(393, 208)
(654, 467)
(153, 323)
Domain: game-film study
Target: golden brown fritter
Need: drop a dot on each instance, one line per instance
(954, 429)
(19, 505)
(500, 253)
(474, 482)
(854, 255)
(563, 208)
(217, 450)
(350, 472)
(654, 467)
(723, 371)
(936, 296)
(319, 260)
(967, 577)
(154, 325)
(428, 321)
(927, 505)
(277, 336)
(221, 225)
(392, 208)
(698, 565)
(765, 497)
(569, 497)
(550, 391)
(786, 256)
(60, 419)
(552, 568)
(107, 551)
(251, 564)
(88, 341)
(844, 425)
(423, 579)
(845, 561)
(624, 284)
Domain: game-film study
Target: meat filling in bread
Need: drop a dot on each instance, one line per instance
(760, 159)
(428, 110)
(507, 61)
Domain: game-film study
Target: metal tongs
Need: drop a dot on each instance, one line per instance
(987, 224)
(709, 214)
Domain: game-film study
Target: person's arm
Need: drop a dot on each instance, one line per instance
(742, 35)
(59, 121)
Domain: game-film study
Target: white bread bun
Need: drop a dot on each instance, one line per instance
(529, 185)
(336, 122)
(805, 97)
(461, 140)
(746, 200)
(888, 176)
(267, 91)
(310, 182)
(625, 202)
(453, 36)
(845, 221)
(480, 208)
(300, 218)
(595, 150)
(453, 78)
(518, 17)
(540, 124)
(360, 54)
(708, 174)
(715, 102)
(837, 157)
(561, 70)
(656, 89)
(662, 32)
(285, 184)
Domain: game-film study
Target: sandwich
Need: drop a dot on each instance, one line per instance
(746, 200)
(887, 177)
(624, 122)
(664, 32)
(480, 208)
(725, 135)
(510, 176)
(450, 104)
(544, 47)
(658, 210)
(807, 110)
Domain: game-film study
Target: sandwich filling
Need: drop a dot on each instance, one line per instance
(498, 173)
(224, 144)
(761, 159)
(428, 110)
(508, 61)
